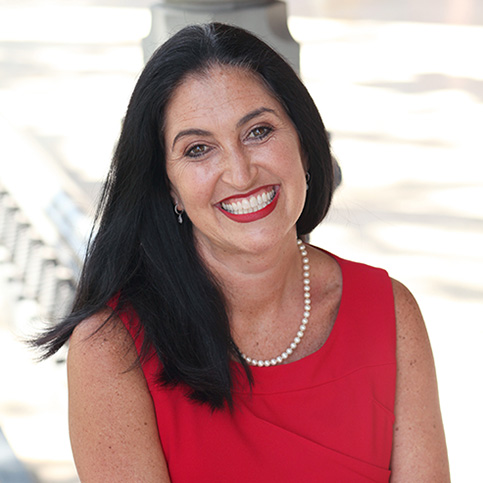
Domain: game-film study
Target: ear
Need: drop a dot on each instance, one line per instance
(304, 157)
(176, 199)
(305, 161)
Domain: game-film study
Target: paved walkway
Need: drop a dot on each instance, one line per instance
(400, 87)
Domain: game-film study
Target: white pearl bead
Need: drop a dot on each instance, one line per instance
(305, 320)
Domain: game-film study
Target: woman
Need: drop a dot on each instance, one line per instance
(208, 343)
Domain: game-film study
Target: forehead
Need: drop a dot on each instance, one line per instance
(221, 91)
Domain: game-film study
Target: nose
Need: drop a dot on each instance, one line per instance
(240, 170)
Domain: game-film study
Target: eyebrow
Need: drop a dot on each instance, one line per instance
(253, 114)
(201, 132)
(190, 132)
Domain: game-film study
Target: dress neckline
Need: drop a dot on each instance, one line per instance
(293, 375)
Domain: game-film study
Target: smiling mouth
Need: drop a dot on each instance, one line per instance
(250, 204)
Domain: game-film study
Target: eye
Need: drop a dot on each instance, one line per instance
(197, 151)
(260, 132)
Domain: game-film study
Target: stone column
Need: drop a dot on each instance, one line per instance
(265, 18)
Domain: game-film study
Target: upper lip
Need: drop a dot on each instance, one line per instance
(231, 199)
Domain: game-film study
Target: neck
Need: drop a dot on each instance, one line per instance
(258, 284)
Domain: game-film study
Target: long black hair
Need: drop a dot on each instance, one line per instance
(140, 255)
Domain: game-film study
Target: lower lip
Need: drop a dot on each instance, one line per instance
(256, 215)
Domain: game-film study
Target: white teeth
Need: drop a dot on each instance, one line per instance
(254, 203)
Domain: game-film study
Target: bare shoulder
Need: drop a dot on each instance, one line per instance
(419, 449)
(112, 420)
(102, 340)
(412, 336)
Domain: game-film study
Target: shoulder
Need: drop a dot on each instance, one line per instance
(419, 448)
(411, 331)
(405, 304)
(413, 349)
(102, 340)
(112, 420)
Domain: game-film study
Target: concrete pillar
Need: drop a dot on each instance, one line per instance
(265, 18)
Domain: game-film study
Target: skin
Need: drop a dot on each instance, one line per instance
(241, 140)
(419, 447)
(112, 425)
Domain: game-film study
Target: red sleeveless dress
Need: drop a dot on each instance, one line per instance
(325, 418)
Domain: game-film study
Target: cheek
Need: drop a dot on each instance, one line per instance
(194, 184)
(293, 163)
(296, 171)
(173, 184)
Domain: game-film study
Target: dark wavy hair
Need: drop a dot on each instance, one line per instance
(140, 254)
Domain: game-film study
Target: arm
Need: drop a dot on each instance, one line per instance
(112, 422)
(419, 448)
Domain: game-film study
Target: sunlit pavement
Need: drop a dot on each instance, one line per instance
(401, 90)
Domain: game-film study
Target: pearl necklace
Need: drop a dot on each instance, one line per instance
(284, 355)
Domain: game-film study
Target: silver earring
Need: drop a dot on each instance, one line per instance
(307, 179)
(179, 213)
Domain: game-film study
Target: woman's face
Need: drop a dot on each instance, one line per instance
(234, 161)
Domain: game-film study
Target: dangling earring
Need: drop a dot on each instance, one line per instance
(179, 213)
(307, 179)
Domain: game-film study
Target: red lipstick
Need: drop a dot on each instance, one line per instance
(249, 217)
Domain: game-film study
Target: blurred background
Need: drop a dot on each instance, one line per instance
(400, 88)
